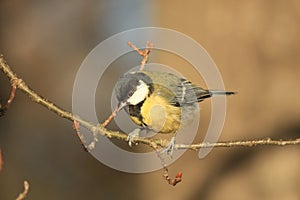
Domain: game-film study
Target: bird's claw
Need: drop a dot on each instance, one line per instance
(170, 147)
(131, 136)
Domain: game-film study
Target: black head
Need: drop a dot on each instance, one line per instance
(133, 88)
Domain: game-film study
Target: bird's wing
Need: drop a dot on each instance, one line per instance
(188, 93)
(178, 91)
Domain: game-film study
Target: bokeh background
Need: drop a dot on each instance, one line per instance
(256, 46)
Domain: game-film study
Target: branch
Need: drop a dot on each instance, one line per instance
(96, 129)
(240, 143)
(144, 54)
(24, 193)
(101, 130)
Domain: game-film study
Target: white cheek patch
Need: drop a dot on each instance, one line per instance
(140, 94)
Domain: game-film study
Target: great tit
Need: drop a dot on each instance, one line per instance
(160, 101)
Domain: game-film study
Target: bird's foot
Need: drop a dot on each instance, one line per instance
(169, 148)
(131, 136)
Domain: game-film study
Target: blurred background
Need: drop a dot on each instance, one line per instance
(256, 46)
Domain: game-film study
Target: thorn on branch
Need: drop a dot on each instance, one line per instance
(25, 192)
(145, 53)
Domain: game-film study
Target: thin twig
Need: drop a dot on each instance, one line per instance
(113, 114)
(166, 176)
(240, 143)
(144, 54)
(172, 181)
(4, 109)
(76, 127)
(14, 83)
(101, 130)
(24, 193)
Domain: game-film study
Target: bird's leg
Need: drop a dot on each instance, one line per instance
(131, 136)
(170, 147)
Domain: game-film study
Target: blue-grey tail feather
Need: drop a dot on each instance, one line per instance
(204, 94)
(220, 92)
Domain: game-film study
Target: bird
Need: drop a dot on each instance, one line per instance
(160, 101)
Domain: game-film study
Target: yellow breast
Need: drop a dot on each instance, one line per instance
(159, 115)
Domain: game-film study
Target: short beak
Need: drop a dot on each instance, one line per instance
(121, 105)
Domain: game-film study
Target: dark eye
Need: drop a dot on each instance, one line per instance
(130, 93)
